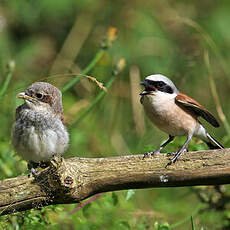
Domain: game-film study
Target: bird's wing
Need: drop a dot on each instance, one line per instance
(198, 109)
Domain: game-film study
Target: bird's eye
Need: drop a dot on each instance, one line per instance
(39, 95)
(160, 84)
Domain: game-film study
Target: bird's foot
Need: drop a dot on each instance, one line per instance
(44, 164)
(176, 156)
(171, 162)
(33, 172)
(149, 154)
(171, 154)
(35, 168)
(32, 166)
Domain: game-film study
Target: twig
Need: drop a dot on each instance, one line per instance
(95, 197)
(95, 60)
(118, 68)
(93, 79)
(111, 36)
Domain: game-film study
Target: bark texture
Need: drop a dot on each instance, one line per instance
(73, 180)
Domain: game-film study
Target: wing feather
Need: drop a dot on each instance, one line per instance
(198, 109)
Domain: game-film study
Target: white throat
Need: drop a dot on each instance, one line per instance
(158, 102)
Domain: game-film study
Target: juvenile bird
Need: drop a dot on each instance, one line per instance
(175, 113)
(38, 132)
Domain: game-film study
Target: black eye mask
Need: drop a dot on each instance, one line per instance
(159, 85)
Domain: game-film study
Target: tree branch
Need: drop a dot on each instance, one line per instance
(73, 180)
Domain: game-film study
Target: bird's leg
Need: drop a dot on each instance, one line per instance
(44, 164)
(180, 151)
(32, 166)
(160, 148)
(171, 154)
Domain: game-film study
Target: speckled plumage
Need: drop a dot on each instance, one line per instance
(38, 132)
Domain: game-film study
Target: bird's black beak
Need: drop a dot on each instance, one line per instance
(149, 89)
(144, 83)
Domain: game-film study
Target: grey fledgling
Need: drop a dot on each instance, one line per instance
(38, 132)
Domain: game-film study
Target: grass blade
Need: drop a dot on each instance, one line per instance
(9, 72)
(192, 222)
(119, 67)
(106, 43)
(95, 60)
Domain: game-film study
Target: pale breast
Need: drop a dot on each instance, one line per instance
(167, 116)
(39, 139)
(38, 146)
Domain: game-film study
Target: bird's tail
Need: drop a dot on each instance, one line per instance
(213, 143)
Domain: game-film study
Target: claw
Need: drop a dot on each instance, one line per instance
(172, 161)
(171, 154)
(175, 158)
(35, 168)
(33, 172)
(147, 154)
(169, 163)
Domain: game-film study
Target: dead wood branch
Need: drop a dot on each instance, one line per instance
(73, 180)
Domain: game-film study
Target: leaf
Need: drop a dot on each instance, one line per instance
(164, 226)
(130, 194)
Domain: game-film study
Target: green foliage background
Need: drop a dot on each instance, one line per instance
(175, 38)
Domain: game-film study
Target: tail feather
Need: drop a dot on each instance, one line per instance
(213, 144)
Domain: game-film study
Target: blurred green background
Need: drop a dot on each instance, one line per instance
(187, 41)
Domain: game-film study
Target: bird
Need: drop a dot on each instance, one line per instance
(175, 113)
(38, 132)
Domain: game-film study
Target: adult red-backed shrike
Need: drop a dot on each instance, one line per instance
(175, 113)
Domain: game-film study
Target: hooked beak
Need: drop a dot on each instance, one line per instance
(148, 89)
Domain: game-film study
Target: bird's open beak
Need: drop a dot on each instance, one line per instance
(144, 83)
(143, 93)
(148, 89)
(24, 96)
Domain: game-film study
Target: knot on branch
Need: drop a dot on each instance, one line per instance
(62, 176)
(60, 180)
